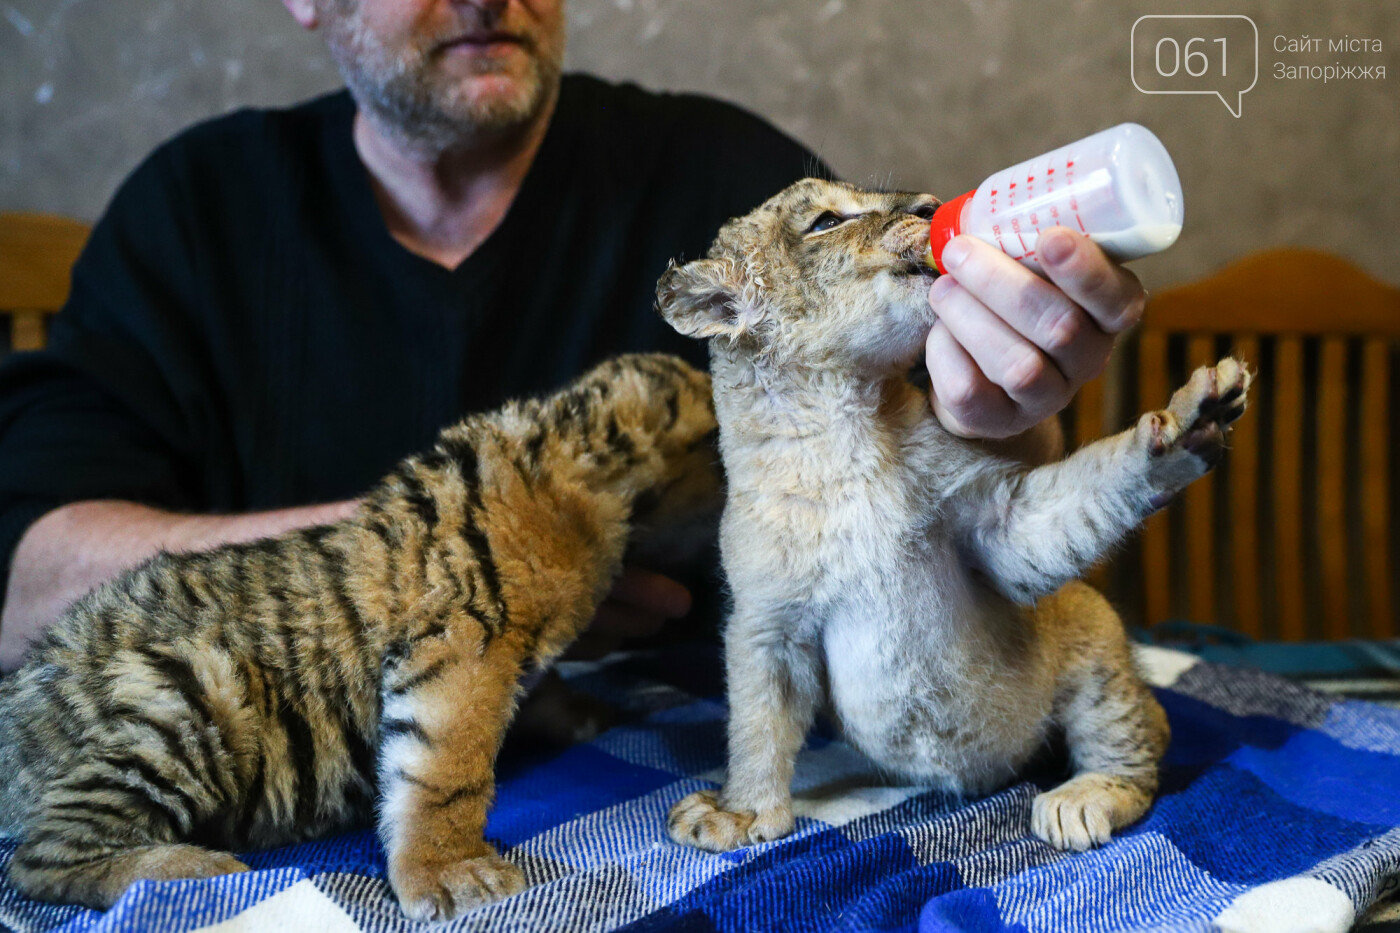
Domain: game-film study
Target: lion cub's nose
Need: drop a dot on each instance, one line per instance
(924, 209)
(905, 239)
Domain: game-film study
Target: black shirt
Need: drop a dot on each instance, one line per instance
(244, 333)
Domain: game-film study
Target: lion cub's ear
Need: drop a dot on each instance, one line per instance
(706, 298)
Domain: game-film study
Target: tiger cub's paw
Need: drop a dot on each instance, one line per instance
(1186, 440)
(447, 891)
(700, 821)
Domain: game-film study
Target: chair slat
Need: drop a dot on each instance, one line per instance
(1331, 487)
(36, 253)
(1288, 487)
(1156, 539)
(1375, 487)
(26, 330)
(1088, 413)
(1242, 466)
(1198, 505)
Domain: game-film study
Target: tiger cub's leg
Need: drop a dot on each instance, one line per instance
(1116, 730)
(445, 709)
(92, 835)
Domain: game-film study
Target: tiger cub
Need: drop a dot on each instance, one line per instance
(262, 693)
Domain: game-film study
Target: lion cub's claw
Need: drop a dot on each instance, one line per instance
(1084, 811)
(699, 820)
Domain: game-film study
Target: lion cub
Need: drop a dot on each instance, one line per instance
(916, 585)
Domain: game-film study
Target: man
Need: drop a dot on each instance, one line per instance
(280, 304)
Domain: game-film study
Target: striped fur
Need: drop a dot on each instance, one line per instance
(267, 692)
(919, 586)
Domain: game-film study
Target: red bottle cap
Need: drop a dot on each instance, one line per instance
(946, 224)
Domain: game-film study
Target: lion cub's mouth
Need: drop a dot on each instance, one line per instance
(918, 268)
(908, 241)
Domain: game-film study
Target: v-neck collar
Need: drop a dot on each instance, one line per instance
(543, 178)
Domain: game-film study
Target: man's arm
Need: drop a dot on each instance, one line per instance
(79, 546)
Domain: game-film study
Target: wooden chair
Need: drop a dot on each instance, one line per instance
(1290, 538)
(37, 251)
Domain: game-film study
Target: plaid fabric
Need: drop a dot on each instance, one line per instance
(1278, 812)
(1358, 670)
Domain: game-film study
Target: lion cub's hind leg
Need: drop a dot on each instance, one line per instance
(1115, 729)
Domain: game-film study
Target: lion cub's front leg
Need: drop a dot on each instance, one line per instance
(1032, 531)
(443, 715)
(773, 695)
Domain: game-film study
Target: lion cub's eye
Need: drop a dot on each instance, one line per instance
(826, 221)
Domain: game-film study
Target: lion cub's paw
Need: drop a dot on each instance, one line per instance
(1084, 811)
(700, 821)
(447, 891)
(1185, 440)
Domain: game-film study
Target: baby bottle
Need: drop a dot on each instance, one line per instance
(1118, 186)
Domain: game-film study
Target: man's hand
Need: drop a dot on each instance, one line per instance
(1009, 349)
(640, 603)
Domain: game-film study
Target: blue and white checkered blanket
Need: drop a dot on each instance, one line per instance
(1279, 811)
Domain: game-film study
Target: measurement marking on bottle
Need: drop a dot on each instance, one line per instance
(996, 232)
(1016, 228)
(1073, 200)
(1128, 227)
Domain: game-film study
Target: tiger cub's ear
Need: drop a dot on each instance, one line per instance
(707, 298)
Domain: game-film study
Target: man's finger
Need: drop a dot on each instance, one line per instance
(650, 592)
(1032, 307)
(965, 401)
(620, 620)
(1003, 355)
(1110, 294)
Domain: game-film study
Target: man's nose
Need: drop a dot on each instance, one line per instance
(491, 6)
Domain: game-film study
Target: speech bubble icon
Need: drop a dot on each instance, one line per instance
(1178, 53)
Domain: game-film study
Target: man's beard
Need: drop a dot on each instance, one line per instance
(404, 94)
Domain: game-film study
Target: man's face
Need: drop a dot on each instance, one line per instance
(438, 72)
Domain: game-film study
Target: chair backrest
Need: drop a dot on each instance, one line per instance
(37, 252)
(1291, 538)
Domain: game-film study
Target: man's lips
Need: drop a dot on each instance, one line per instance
(481, 40)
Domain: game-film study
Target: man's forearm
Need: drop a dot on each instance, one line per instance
(76, 547)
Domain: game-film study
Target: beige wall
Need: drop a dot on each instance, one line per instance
(930, 94)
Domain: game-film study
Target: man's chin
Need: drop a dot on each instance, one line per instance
(494, 99)
(495, 113)
(461, 100)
